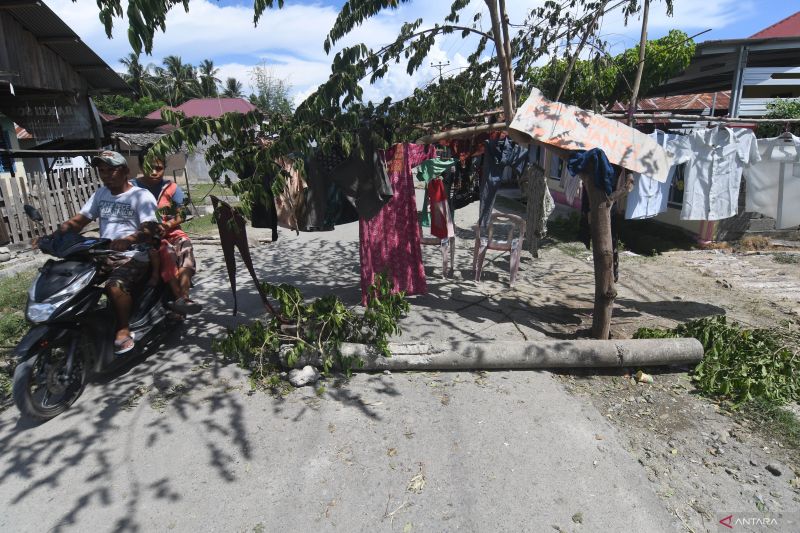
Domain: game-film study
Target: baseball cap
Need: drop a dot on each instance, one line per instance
(113, 159)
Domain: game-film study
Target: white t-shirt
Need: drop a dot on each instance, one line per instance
(649, 197)
(773, 184)
(120, 215)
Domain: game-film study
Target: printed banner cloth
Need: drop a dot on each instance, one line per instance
(572, 128)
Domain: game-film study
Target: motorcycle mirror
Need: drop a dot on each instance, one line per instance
(33, 213)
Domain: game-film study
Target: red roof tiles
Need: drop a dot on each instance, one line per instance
(210, 107)
(788, 27)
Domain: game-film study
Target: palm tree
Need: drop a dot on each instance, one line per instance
(208, 79)
(233, 89)
(179, 80)
(138, 76)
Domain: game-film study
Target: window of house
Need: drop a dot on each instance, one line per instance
(676, 188)
(556, 167)
(6, 161)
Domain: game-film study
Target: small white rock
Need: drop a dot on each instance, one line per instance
(307, 375)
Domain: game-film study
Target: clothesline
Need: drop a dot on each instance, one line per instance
(700, 118)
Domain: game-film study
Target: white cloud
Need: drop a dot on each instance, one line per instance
(290, 40)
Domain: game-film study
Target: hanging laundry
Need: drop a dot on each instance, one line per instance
(263, 211)
(540, 205)
(604, 175)
(361, 177)
(441, 221)
(571, 185)
(773, 184)
(290, 203)
(232, 233)
(504, 161)
(715, 160)
(649, 197)
(390, 241)
(426, 171)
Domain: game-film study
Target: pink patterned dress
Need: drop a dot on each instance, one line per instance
(390, 242)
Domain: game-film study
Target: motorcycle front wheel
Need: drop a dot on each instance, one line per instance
(43, 388)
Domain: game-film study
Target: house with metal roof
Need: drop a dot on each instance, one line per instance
(209, 107)
(755, 70)
(47, 78)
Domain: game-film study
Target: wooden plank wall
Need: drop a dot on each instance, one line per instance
(58, 195)
(34, 64)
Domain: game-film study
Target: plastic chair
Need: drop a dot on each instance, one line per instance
(448, 248)
(512, 245)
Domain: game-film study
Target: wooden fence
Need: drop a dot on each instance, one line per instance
(58, 195)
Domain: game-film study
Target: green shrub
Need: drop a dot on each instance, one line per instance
(741, 365)
(319, 327)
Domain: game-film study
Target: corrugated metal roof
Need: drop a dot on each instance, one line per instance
(788, 27)
(681, 102)
(210, 107)
(54, 33)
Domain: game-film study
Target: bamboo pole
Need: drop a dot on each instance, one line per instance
(461, 132)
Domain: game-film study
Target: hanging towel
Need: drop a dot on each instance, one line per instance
(441, 223)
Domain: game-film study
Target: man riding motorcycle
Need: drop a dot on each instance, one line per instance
(121, 209)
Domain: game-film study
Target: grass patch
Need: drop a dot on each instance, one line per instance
(778, 422)
(201, 225)
(564, 229)
(13, 297)
(786, 259)
(644, 237)
(200, 192)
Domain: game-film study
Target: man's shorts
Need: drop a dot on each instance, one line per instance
(124, 272)
(182, 252)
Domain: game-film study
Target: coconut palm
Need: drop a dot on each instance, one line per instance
(208, 79)
(138, 76)
(233, 88)
(179, 80)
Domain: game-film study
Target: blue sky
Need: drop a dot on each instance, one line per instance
(289, 41)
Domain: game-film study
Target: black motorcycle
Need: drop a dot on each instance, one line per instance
(73, 329)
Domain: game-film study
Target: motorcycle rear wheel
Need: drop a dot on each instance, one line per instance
(41, 390)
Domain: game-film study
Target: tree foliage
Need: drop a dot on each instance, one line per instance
(781, 108)
(335, 113)
(596, 83)
(272, 94)
(127, 107)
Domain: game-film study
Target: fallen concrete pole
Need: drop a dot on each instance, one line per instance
(511, 355)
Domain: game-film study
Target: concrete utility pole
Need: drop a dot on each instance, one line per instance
(440, 66)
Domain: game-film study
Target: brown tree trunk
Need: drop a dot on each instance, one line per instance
(502, 62)
(605, 290)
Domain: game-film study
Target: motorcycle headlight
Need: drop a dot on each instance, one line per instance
(42, 311)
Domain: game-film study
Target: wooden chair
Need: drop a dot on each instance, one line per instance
(512, 245)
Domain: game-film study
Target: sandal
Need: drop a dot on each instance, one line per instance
(124, 345)
(175, 316)
(185, 306)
